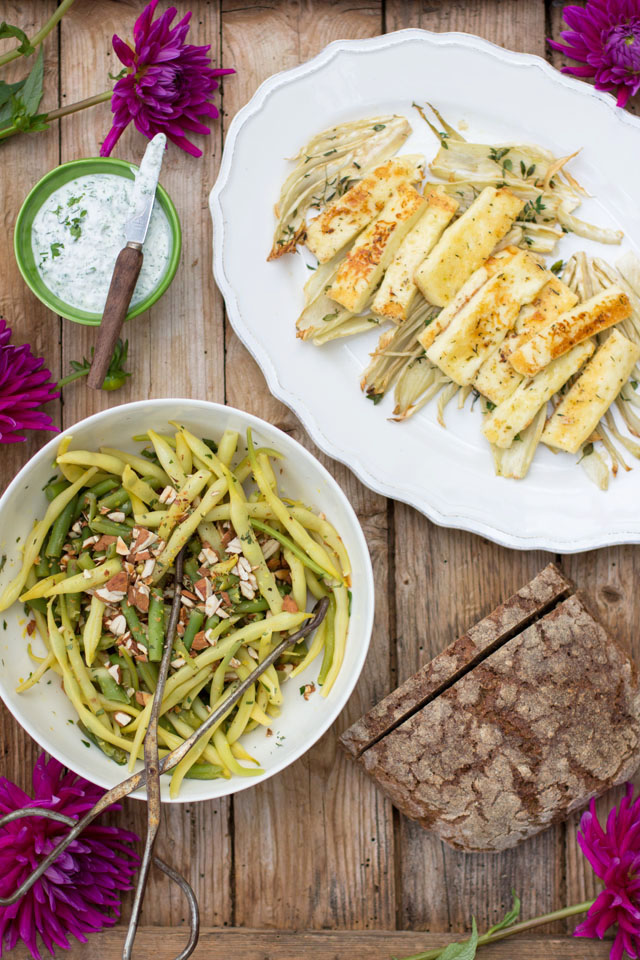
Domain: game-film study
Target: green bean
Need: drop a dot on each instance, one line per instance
(204, 771)
(39, 604)
(53, 586)
(250, 606)
(191, 569)
(133, 622)
(52, 490)
(110, 527)
(290, 545)
(194, 625)
(104, 487)
(42, 567)
(329, 641)
(60, 529)
(85, 561)
(109, 749)
(114, 499)
(148, 673)
(129, 665)
(156, 624)
(73, 599)
(110, 689)
(90, 504)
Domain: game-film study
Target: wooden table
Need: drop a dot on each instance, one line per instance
(316, 848)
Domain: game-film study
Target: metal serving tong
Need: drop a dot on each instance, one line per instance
(150, 776)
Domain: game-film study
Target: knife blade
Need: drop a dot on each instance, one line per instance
(144, 191)
(129, 263)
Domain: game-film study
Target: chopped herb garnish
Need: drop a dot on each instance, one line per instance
(330, 316)
(557, 267)
(55, 249)
(490, 405)
(375, 397)
(587, 450)
(379, 126)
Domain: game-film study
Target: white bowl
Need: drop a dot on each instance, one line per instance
(44, 711)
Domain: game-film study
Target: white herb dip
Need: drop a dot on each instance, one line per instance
(79, 232)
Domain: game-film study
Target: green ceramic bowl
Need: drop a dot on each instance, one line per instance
(38, 196)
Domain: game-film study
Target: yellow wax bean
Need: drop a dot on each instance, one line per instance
(87, 458)
(200, 450)
(341, 627)
(80, 583)
(251, 548)
(241, 754)
(185, 530)
(222, 746)
(93, 629)
(139, 488)
(37, 537)
(190, 489)
(298, 579)
(40, 588)
(37, 675)
(183, 454)
(227, 446)
(314, 650)
(150, 520)
(168, 458)
(142, 466)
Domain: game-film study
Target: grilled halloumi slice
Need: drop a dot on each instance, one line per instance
(483, 323)
(496, 378)
(579, 412)
(466, 243)
(343, 219)
(398, 288)
(514, 414)
(475, 283)
(375, 248)
(571, 327)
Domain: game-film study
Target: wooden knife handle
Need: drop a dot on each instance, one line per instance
(123, 283)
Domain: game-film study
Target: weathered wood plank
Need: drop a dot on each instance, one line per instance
(320, 945)
(25, 159)
(325, 834)
(610, 579)
(445, 581)
(175, 350)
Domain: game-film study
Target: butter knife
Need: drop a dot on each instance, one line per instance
(129, 263)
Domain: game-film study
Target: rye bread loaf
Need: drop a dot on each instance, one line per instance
(530, 733)
(532, 600)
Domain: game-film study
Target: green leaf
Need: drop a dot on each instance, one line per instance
(464, 950)
(8, 90)
(31, 93)
(510, 917)
(7, 30)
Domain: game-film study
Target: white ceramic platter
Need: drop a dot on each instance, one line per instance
(45, 712)
(496, 95)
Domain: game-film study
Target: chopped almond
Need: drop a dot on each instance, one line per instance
(105, 541)
(289, 604)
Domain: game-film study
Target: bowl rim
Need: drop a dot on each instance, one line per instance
(83, 165)
(335, 708)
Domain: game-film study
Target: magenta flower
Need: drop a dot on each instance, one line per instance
(168, 84)
(614, 854)
(80, 892)
(605, 36)
(24, 386)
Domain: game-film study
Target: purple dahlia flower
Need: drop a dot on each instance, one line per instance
(168, 84)
(24, 386)
(80, 892)
(605, 37)
(614, 854)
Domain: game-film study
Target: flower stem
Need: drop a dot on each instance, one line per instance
(62, 112)
(511, 931)
(41, 34)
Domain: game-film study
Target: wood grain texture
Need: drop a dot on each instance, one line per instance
(446, 581)
(610, 577)
(23, 163)
(318, 846)
(317, 945)
(297, 850)
(176, 349)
